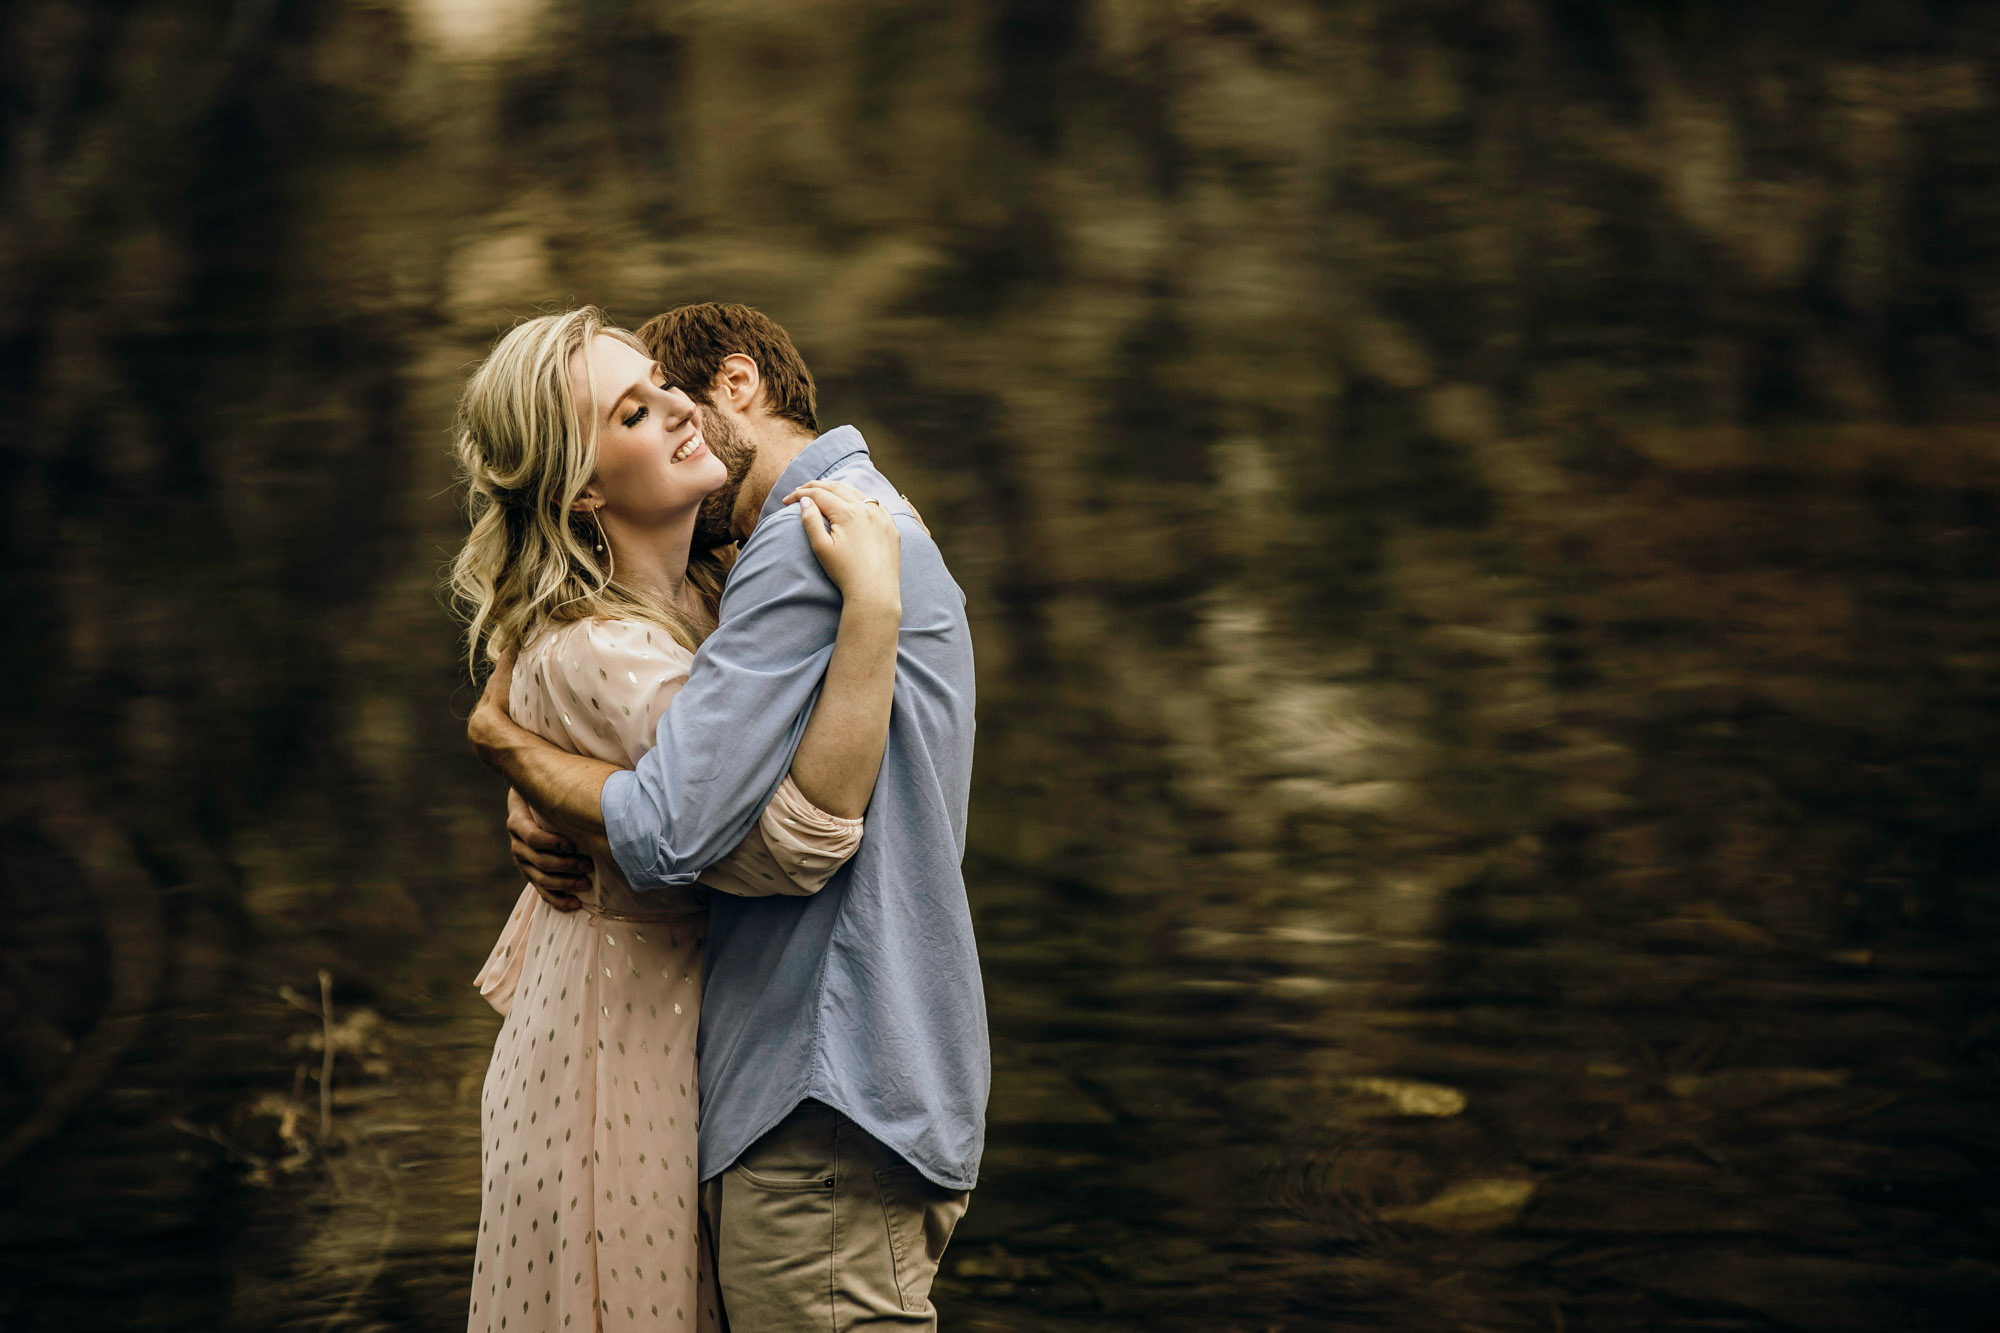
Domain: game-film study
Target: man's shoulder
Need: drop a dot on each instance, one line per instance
(780, 536)
(777, 544)
(775, 563)
(859, 471)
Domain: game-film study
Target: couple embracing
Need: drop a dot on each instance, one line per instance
(742, 1078)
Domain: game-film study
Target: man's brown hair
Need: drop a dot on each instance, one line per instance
(691, 341)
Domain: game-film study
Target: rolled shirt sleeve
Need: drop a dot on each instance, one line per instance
(726, 745)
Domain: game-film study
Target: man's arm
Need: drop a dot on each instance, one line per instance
(562, 788)
(729, 739)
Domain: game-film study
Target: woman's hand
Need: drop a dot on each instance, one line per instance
(856, 542)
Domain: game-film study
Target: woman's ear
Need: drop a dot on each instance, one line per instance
(589, 501)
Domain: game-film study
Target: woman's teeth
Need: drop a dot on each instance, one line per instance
(681, 454)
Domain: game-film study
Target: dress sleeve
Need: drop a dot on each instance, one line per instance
(605, 684)
(795, 849)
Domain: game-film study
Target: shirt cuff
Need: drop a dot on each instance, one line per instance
(630, 848)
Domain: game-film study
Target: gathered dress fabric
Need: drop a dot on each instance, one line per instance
(589, 1190)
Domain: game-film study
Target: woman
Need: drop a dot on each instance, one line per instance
(585, 471)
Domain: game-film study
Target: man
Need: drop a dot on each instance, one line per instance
(843, 1058)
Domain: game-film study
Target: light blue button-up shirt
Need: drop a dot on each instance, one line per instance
(865, 996)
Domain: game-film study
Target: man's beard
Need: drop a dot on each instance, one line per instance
(712, 527)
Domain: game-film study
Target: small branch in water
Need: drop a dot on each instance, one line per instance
(326, 1060)
(298, 1001)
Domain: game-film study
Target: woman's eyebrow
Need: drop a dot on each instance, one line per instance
(655, 368)
(615, 407)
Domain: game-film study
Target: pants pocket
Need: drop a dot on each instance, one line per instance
(784, 1184)
(796, 1157)
(920, 1217)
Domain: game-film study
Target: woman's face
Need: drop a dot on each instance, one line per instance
(652, 464)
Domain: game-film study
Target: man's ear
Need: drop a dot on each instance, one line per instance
(736, 383)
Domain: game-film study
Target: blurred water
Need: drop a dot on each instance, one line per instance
(1479, 520)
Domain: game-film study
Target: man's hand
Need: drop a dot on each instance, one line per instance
(549, 860)
(567, 791)
(490, 727)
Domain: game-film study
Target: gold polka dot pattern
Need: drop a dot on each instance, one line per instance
(588, 1142)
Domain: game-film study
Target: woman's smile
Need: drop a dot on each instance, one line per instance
(694, 448)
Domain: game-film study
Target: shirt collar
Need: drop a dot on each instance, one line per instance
(814, 461)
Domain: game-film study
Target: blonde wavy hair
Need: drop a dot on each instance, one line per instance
(524, 456)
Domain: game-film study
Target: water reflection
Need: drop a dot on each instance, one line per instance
(1480, 527)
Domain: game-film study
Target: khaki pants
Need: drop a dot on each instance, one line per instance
(818, 1228)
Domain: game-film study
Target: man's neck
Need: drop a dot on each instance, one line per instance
(777, 442)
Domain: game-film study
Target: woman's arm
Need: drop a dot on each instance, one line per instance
(841, 752)
(796, 849)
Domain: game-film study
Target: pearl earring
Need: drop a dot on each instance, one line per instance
(603, 546)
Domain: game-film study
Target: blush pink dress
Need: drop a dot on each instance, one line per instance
(589, 1203)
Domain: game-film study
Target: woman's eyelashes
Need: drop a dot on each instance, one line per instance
(674, 422)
